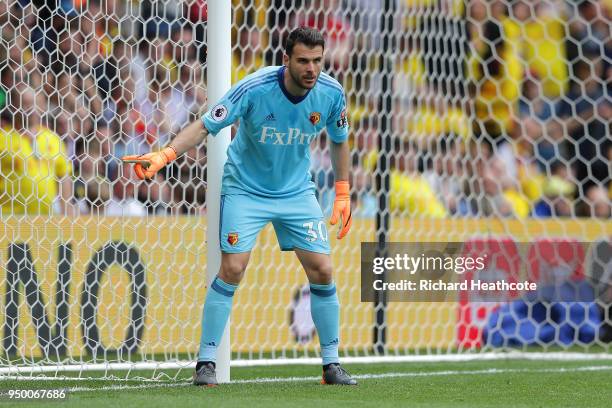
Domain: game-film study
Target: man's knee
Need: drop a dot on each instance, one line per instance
(321, 272)
(232, 268)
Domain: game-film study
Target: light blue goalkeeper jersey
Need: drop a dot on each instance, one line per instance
(270, 155)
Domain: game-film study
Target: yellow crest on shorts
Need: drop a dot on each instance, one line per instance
(232, 238)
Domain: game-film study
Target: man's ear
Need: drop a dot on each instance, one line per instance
(285, 59)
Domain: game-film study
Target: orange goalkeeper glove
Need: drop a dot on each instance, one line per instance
(342, 208)
(146, 165)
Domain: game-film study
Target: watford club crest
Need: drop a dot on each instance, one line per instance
(315, 117)
(232, 238)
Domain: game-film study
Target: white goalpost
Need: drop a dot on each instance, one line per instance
(219, 82)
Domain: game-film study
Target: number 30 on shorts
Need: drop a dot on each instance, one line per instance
(313, 233)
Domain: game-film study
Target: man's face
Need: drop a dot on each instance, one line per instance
(305, 64)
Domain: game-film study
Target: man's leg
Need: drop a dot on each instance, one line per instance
(325, 310)
(324, 305)
(216, 312)
(218, 303)
(300, 226)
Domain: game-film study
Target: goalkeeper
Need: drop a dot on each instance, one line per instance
(266, 179)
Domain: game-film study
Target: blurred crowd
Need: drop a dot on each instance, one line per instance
(499, 108)
(96, 84)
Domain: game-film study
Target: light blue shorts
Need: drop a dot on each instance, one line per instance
(298, 222)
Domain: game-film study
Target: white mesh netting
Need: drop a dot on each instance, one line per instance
(487, 120)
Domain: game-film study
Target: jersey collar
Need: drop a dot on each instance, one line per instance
(281, 82)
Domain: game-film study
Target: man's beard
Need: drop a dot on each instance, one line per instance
(299, 82)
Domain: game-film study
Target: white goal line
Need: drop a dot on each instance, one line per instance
(187, 382)
(169, 365)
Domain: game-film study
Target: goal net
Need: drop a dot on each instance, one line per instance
(482, 123)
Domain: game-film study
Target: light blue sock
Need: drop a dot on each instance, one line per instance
(217, 309)
(325, 310)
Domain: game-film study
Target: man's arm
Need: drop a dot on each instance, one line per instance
(191, 136)
(232, 106)
(340, 156)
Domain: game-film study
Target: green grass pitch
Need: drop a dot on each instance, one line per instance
(506, 383)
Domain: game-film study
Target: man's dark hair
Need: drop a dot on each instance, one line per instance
(304, 35)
